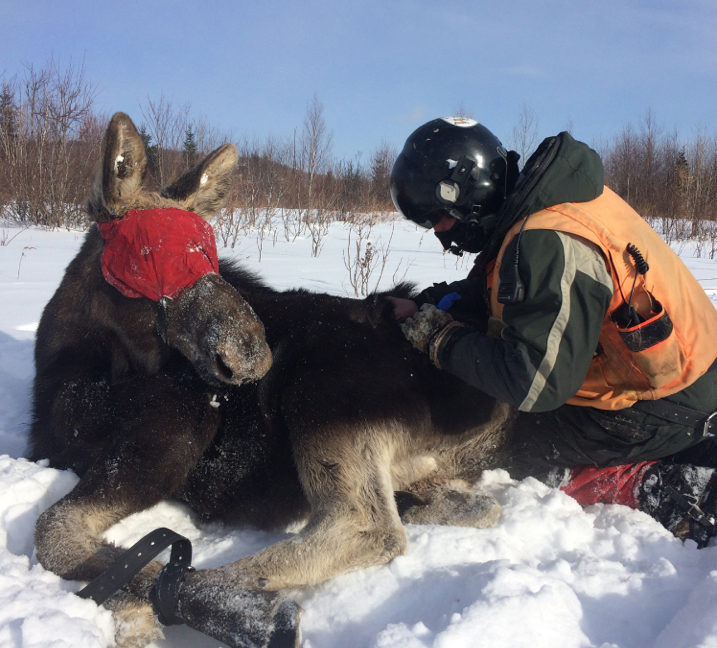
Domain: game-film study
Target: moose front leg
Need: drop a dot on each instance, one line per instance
(243, 604)
(354, 523)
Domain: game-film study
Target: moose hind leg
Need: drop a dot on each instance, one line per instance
(165, 432)
(68, 540)
(147, 463)
(354, 522)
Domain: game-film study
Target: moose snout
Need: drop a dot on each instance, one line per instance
(238, 360)
(217, 331)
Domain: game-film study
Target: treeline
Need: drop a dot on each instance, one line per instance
(50, 138)
(671, 182)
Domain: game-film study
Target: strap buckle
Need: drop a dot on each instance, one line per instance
(165, 588)
(706, 429)
(693, 511)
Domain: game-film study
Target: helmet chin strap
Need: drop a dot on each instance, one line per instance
(447, 242)
(467, 237)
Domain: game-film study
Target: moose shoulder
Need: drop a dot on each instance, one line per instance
(299, 406)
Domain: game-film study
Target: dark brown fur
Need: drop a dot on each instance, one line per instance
(348, 413)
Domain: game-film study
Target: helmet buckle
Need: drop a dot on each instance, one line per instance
(448, 191)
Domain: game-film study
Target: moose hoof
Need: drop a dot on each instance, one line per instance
(453, 507)
(287, 633)
(223, 604)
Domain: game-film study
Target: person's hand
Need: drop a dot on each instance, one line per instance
(403, 308)
(424, 325)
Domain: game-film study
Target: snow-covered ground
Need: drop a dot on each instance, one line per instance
(549, 574)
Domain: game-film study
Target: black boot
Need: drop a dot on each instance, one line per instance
(683, 498)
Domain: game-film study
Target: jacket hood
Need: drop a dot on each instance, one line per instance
(561, 170)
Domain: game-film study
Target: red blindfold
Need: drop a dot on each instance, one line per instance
(157, 253)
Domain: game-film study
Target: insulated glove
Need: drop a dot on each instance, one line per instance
(465, 300)
(420, 329)
(427, 329)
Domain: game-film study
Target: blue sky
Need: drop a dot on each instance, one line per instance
(382, 68)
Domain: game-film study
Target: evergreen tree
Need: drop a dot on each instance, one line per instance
(150, 149)
(190, 148)
(8, 112)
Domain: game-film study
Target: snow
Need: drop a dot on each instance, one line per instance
(548, 574)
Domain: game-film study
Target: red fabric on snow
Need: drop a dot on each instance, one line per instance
(157, 253)
(612, 485)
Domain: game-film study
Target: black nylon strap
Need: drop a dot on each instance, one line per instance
(138, 556)
(672, 412)
(164, 594)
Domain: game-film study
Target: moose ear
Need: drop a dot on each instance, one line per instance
(123, 163)
(205, 188)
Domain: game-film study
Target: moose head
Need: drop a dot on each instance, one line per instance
(157, 247)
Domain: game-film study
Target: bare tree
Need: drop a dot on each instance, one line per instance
(699, 189)
(462, 111)
(524, 136)
(269, 174)
(315, 149)
(366, 260)
(316, 142)
(49, 143)
(168, 127)
(9, 135)
(209, 137)
(50, 139)
(672, 184)
(351, 179)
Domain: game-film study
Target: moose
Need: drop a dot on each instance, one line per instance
(252, 406)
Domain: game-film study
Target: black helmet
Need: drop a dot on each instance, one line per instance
(453, 166)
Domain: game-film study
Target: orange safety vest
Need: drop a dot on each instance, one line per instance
(619, 376)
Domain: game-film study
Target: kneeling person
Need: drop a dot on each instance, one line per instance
(576, 312)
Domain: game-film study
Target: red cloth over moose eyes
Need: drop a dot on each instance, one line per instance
(157, 253)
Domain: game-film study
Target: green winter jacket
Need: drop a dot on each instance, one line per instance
(505, 365)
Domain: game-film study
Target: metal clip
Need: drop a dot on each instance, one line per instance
(706, 429)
